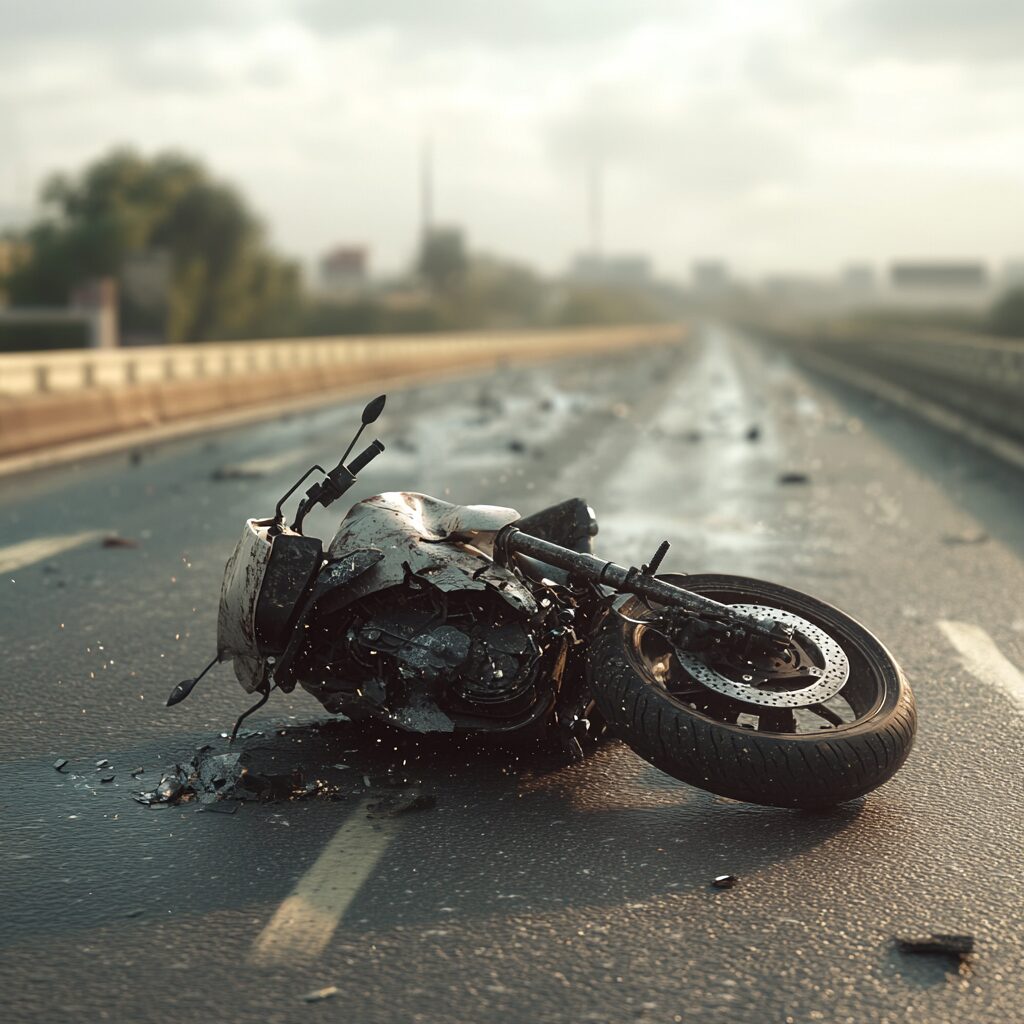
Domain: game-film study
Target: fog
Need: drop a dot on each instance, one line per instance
(793, 136)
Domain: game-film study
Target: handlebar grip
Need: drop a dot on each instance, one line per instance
(365, 457)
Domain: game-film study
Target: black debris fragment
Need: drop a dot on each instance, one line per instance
(724, 881)
(236, 473)
(114, 541)
(754, 433)
(515, 445)
(169, 791)
(794, 478)
(401, 803)
(320, 994)
(959, 947)
(694, 436)
(60, 764)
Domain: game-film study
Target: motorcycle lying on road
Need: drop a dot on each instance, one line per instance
(437, 617)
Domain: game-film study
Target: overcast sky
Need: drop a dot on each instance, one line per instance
(777, 134)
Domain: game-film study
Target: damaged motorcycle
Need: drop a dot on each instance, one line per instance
(438, 617)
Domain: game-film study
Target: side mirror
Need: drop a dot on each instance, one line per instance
(373, 410)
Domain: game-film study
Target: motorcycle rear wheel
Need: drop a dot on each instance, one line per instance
(849, 746)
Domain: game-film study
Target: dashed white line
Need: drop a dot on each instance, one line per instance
(306, 920)
(983, 659)
(17, 556)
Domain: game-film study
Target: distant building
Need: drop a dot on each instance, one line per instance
(345, 270)
(959, 275)
(710, 277)
(964, 284)
(630, 269)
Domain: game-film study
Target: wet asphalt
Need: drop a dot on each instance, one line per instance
(532, 891)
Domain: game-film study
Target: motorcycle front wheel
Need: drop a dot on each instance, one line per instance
(690, 722)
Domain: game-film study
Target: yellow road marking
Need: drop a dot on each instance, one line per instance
(983, 659)
(17, 556)
(306, 920)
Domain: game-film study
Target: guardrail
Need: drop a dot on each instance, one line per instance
(47, 398)
(978, 376)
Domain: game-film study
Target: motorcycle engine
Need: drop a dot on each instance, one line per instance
(465, 652)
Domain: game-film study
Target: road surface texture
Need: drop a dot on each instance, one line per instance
(533, 891)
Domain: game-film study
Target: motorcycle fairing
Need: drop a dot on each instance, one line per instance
(239, 595)
(404, 532)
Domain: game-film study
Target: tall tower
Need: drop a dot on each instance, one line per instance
(595, 196)
(426, 186)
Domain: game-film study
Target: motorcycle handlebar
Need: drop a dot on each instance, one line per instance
(365, 457)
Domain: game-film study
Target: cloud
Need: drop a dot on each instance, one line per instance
(496, 25)
(959, 31)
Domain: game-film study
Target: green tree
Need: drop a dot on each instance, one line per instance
(224, 280)
(442, 259)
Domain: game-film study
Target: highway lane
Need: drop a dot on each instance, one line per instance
(532, 892)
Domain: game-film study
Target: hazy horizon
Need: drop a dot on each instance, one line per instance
(793, 137)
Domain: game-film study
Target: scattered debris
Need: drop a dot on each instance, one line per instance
(60, 764)
(236, 473)
(107, 777)
(939, 944)
(968, 536)
(112, 540)
(401, 803)
(136, 772)
(724, 881)
(794, 478)
(320, 994)
(135, 457)
(754, 433)
(103, 763)
(515, 445)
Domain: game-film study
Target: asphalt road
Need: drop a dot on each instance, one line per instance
(532, 892)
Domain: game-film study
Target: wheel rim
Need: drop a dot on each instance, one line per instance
(852, 691)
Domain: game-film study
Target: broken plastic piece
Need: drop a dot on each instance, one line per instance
(103, 763)
(939, 944)
(59, 764)
(401, 803)
(724, 881)
(794, 478)
(320, 994)
(169, 790)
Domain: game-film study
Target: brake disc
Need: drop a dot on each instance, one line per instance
(830, 680)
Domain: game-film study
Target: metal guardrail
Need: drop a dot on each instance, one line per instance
(979, 376)
(29, 373)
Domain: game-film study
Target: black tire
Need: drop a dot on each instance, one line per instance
(780, 769)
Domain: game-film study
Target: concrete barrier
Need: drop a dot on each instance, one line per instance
(50, 398)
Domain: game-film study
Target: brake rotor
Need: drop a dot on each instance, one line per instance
(830, 678)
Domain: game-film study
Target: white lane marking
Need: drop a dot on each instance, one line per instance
(17, 556)
(306, 920)
(984, 660)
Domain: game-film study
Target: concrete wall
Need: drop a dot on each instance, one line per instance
(48, 398)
